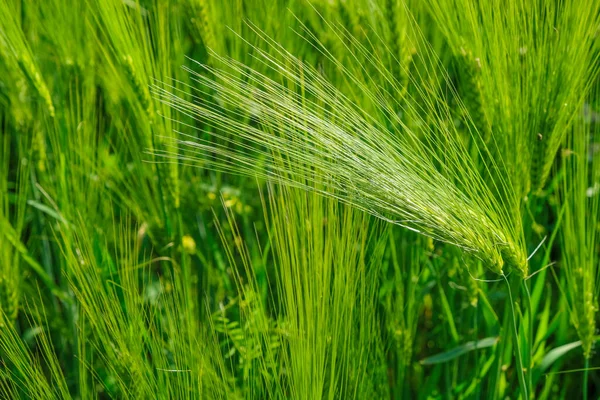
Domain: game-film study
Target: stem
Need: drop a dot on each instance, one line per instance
(478, 392)
(585, 378)
(529, 336)
(514, 284)
(494, 386)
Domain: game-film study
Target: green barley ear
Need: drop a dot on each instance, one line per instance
(169, 175)
(465, 276)
(350, 14)
(402, 300)
(357, 155)
(585, 322)
(26, 63)
(580, 200)
(472, 93)
(9, 296)
(143, 46)
(402, 51)
(202, 22)
(30, 372)
(544, 145)
(328, 257)
(12, 218)
(14, 44)
(174, 183)
(39, 148)
(140, 89)
(533, 78)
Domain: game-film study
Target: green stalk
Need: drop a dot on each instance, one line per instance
(585, 378)
(514, 285)
(476, 335)
(529, 336)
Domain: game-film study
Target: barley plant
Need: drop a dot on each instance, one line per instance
(304, 199)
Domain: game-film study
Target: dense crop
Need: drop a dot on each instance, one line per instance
(299, 199)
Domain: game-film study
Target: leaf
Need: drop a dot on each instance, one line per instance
(553, 355)
(475, 383)
(557, 353)
(47, 210)
(13, 238)
(460, 350)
